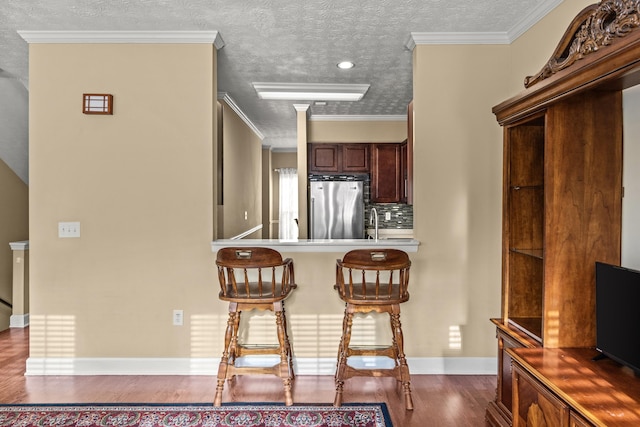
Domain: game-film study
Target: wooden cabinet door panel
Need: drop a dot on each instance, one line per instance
(505, 385)
(385, 173)
(534, 405)
(355, 157)
(324, 158)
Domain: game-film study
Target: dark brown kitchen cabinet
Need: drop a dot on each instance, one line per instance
(386, 173)
(404, 172)
(324, 158)
(407, 156)
(355, 157)
(338, 158)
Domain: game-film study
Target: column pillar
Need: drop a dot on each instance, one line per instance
(301, 115)
(20, 300)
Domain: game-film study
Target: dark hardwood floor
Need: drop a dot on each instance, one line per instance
(439, 400)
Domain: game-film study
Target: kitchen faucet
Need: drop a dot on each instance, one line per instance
(374, 214)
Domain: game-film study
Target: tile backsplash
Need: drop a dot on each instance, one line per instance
(401, 215)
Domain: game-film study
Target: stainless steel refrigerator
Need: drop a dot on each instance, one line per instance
(336, 209)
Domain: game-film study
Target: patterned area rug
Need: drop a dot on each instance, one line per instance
(195, 415)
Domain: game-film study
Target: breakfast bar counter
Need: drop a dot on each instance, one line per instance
(319, 245)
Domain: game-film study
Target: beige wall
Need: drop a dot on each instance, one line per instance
(242, 176)
(457, 198)
(140, 182)
(14, 226)
(357, 131)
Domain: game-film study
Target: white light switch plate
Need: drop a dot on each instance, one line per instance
(178, 317)
(68, 229)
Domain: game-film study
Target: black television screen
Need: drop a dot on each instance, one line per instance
(618, 314)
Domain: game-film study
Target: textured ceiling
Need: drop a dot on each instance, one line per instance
(282, 41)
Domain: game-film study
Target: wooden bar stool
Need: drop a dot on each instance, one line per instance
(254, 278)
(373, 280)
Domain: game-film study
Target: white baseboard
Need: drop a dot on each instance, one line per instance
(209, 366)
(19, 320)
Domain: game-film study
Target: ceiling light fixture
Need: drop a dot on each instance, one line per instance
(311, 91)
(346, 65)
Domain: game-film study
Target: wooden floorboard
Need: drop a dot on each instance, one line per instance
(439, 400)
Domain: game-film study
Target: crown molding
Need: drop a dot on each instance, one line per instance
(156, 37)
(223, 96)
(457, 38)
(284, 149)
(357, 118)
(539, 12)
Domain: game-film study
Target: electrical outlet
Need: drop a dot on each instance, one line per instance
(178, 317)
(245, 215)
(387, 216)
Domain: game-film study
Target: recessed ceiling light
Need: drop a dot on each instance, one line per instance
(346, 65)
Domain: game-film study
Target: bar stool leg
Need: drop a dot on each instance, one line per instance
(340, 346)
(286, 337)
(284, 362)
(398, 340)
(222, 368)
(343, 353)
(234, 348)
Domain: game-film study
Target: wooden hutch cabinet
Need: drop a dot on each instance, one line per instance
(562, 213)
(562, 208)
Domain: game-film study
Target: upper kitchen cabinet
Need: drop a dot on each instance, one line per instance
(404, 172)
(338, 158)
(355, 157)
(407, 157)
(386, 175)
(323, 158)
